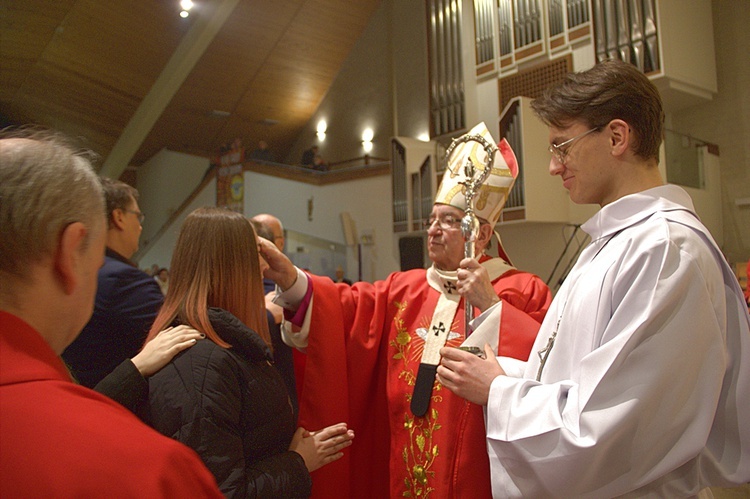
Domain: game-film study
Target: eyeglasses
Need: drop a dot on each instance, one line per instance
(557, 149)
(141, 216)
(445, 222)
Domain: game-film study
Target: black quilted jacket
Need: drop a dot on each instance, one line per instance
(231, 406)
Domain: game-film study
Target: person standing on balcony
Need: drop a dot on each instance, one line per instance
(311, 158)
(262, 153)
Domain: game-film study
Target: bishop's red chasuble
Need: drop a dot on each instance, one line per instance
(363, 355)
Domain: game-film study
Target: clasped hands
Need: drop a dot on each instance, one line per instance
(322, 447)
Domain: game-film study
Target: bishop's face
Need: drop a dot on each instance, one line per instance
(445, 243)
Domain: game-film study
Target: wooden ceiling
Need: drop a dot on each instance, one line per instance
(131, 77)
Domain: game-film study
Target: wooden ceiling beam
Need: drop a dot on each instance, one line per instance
(184, 58)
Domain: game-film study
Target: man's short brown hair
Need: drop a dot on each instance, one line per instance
(118, 195)
(609, 90)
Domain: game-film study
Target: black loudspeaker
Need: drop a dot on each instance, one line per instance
(411, 250)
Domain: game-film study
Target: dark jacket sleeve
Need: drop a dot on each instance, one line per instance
(125, 385)
(215, 431)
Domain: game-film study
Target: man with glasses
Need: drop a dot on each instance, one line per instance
(127, 299)
(639, 380)
(367, 350)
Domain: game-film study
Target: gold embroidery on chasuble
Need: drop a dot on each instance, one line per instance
(419, 451)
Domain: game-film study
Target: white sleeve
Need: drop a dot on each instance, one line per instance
(297, 339)
(291, 300)
(292, 297)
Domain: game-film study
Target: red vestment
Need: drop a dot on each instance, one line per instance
(363, 355)
(59, 439)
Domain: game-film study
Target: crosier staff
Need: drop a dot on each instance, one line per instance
(475, 177)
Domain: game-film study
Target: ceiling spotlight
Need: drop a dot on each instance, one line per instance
(186, 5)
(184, 14)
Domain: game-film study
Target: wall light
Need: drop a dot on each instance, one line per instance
(367, 137)
(185, 5)
(424, 137)
(321, 130)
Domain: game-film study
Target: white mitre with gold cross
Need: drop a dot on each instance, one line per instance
(493, 193)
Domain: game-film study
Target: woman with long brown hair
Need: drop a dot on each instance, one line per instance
(222, 396)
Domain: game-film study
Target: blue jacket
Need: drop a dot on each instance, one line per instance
(127, 300)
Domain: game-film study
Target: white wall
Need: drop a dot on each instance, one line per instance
(164, 182)
(411, 99)
(161, 252)
(367, 200)
(725, 121)
(707, 201)
(363, 199)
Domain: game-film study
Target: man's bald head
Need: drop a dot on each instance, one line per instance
(272, 225)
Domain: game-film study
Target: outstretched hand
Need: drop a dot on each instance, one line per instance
(322, 447)
(467, 375)
(165, 345)
(280, 269)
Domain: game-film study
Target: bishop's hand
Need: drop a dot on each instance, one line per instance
(474, 284)
(280, 269)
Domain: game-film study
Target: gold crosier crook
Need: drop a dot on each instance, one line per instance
(475, 177)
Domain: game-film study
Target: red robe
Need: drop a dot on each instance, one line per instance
(59, 439)
(363, 355)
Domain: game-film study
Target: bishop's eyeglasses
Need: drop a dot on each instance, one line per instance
(445, 222)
